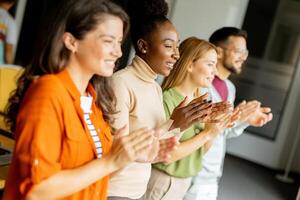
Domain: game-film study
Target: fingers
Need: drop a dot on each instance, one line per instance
(183, 103)
(140, 136)
(270, 117)
(249, 109)
(142, 146)
(165, 148)
(265, 109)
(243, 103)
(221, 106)
(198, 114)
(220, 109)
(157, 133)
(197, 106)
(200, 99)
(226, 121)
(235, 115)
(168, 144)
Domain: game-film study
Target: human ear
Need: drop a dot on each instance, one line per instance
(190, 67)
(70, 42)
(220, 53)
(142, 46)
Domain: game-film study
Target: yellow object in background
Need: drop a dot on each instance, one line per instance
(8, 82)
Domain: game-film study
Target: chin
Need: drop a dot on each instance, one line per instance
(107, 73)
(165, 72)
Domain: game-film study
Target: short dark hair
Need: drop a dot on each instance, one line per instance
(221, 35)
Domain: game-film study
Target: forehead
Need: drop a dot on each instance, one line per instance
(164, 31)
(110, 24)
(209, 55)
(236, 42)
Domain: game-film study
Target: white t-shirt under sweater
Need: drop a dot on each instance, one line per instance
(8, 32)
(139, 102)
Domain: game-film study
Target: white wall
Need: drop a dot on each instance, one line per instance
(201, 17)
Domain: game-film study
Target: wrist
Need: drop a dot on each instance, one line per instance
(111, 163)
(207, 135)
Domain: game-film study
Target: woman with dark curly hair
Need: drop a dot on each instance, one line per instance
(60, 110)
(139, 97)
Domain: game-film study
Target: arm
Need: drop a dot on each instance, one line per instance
(79, 178)
(11, 40)
(125, 149)
(204, 138)
(207, 146)
(187, 147)
(251, 114)
(9, 53)
(39, 148)
(236, 130)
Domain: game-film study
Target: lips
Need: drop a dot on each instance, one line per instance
(170, 65)
(110, 62)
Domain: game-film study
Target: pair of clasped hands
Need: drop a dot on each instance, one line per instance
(155, 145)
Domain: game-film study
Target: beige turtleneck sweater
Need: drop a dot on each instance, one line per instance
(139, 102)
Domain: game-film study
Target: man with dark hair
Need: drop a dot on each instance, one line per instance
(8, 32)
(232, 53)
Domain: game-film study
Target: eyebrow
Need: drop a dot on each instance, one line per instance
(107, 35)
(110, 36)
(170, 40)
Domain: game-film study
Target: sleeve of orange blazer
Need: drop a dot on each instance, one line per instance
(39, 133)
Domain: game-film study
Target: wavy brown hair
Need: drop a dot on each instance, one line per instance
(77, 17)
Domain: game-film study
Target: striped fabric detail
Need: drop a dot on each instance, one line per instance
(85, 104)
(93, 134)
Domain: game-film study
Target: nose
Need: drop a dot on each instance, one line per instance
(176, 54)
(214, 71)
(117, 50)
(245, 56)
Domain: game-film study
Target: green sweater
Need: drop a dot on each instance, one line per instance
(190, 165)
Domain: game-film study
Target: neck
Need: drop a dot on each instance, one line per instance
(222, 72)
(187, 88)
(80, 78)
(144, 58)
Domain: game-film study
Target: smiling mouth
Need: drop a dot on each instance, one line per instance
(170, 65)
(110, 62)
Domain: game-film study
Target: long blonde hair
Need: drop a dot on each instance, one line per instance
(191, 49)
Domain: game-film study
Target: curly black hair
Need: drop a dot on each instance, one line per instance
(145, 16)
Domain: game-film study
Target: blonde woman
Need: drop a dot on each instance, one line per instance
(195, 68)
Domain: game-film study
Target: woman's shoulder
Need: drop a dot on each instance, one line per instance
(172, 93)
(46, 85)
(123, 73)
